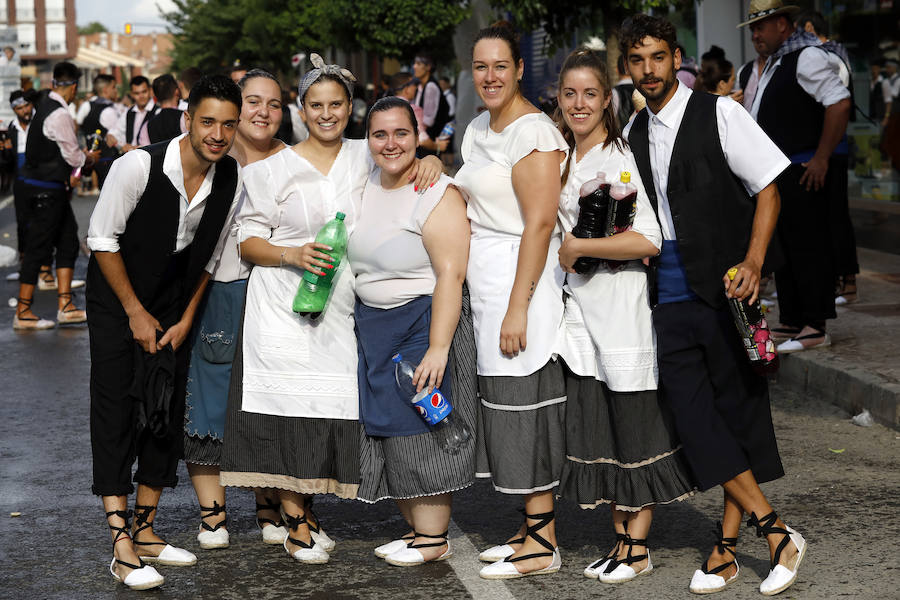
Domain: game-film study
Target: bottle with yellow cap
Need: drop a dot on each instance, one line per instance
(95, 143)
(754, 331)
(622, 208)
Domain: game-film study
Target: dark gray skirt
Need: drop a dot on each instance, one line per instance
(411, 466)
(522, 437)
(621, 448)
(304, 455)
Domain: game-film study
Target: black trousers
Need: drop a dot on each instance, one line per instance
(22, 205)
(843, 238)
(114, 444)
(721, 407)
(805, 282)
(51, 225)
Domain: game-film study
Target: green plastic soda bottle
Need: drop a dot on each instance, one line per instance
(313, 291)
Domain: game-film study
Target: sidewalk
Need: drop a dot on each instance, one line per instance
(861, 369)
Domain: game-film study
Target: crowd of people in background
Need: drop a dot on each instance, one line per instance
(627, 386)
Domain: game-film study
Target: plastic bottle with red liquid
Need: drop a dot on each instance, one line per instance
(754, 331)
(622, 208)
(593, 205)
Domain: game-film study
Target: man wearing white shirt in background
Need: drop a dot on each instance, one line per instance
(131, 128)
(102, 116)
(702, 160)
(804, 107)
(156, 234)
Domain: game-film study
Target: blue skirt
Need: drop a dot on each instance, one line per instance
(213, 342)
(380, 334)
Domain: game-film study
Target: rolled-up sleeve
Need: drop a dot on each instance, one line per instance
(121, 192)
(820, 77)
(259, 212)
(226, 229)
(58, 127)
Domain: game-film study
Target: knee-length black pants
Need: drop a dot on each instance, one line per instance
(721, 407)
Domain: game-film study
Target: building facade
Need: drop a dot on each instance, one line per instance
(46, 33)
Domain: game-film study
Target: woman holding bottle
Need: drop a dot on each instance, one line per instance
(408, 252)
(292, 421)
(620, 443)
(215, 333)
(513, 156)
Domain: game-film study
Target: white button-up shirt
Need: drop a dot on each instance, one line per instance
(816, 73)
(124, 187)
(750, 154)
(139, 135)
(59, 127)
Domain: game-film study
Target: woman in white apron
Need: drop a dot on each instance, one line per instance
(512, 157)
(293, 405)
(621, 446)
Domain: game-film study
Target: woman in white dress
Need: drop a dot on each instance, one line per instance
(293, 412)
(621, 446)
(513, 155)
(215, 333)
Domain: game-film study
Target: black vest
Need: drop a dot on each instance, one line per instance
(91, 124)
(129, 121)
(43, 159)
(162, 280)
(790, 116)
(165, 125)
(442, 117)
(711, 210)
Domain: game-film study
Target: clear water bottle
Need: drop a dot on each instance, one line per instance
(433, 407)
(313, 291)
(447, 131)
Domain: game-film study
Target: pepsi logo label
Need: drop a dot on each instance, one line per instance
(437, 400)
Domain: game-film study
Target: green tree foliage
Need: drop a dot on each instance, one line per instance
(92, 27)
(214, 33)
(562, 18)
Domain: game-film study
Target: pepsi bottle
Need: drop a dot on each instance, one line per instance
(433, 407)
(593, 205)
(622, 208)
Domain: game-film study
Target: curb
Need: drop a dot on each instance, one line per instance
(826, 377)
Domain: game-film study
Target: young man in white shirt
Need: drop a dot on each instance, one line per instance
(706, 159)
(156, 234)
(131, 128)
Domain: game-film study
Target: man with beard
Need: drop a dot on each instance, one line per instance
(156, 234)
(706, 159)
(102, 117)
(17, 134)
(804, 107)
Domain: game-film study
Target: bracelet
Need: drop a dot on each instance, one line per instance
(281, 260)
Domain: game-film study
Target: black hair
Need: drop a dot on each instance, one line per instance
(388, 103)
(219, 87)
(635, 28)
(235, 69)
(190, 76)
(253, 74)
(714, 53)
(165, 87)
(502, 30)
(398, 81)
(820, 26)
(620, 65)
(444, 78)
(714, 70)
(138, 80)
(15, 95)
(66, 71)
(103, 81)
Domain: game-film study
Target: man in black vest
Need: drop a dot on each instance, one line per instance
(803, 106)
(131, 128)
(17, 135)
(156, 234)
(706, 159)
(102, 117)
(52, 164)
(169, 122)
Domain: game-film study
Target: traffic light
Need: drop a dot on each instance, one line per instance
(127, 28)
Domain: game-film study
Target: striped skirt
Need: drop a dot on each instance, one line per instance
(412, 466)
(303, 455)
(621, 448)
(522, 438)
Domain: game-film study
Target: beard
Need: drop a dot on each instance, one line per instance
(667, 84)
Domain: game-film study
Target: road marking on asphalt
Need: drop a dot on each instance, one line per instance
(466, 565)
(6, 202)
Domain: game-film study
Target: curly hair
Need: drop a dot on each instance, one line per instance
(637, 27)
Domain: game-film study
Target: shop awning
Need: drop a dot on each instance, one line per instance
(97, 57)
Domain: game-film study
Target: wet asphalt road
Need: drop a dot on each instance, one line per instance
(846, 504)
